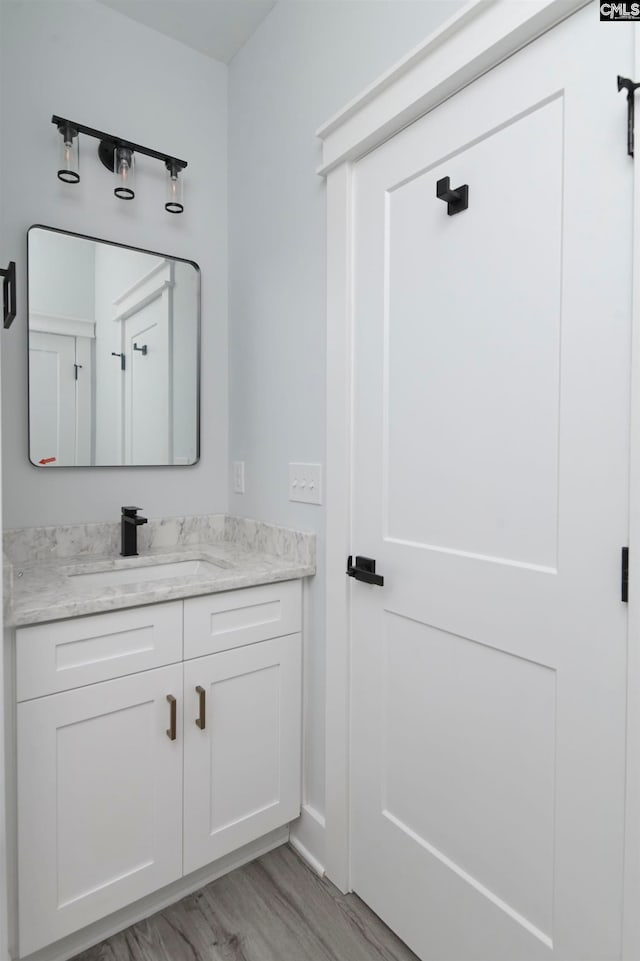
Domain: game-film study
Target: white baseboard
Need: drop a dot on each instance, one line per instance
(81, 940)
(307, 838)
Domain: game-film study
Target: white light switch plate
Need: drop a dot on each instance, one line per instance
(305, 483)
(238, 477)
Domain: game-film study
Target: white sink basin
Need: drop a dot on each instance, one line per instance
(147, 572)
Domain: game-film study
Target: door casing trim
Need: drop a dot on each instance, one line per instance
(631, 915)
(480, 36)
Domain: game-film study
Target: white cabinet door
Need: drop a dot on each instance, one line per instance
(242, 765)
(99, 801)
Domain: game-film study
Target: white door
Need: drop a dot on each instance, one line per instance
(241, 747)
(85, 401)
(61, 404)
(52, 399)
(490, 485)
(99, 802)
(148, 384)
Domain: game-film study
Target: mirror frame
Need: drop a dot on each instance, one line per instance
(142, 250)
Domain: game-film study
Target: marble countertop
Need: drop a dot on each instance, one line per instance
(50, 588)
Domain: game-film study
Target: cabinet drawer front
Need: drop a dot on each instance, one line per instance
(66, 654)
(220, 622)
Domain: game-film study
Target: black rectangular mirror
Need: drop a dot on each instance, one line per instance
(114, 354)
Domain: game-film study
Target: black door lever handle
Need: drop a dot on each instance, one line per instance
(364, 570)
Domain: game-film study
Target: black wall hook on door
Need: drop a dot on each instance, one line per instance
(9, 293)
(456, 200)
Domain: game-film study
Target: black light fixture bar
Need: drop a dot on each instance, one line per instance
(119, 142)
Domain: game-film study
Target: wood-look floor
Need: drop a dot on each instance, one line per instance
(274, 909)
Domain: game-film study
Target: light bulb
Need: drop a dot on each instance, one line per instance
(124, 170)
(173, 203)
(68, 170)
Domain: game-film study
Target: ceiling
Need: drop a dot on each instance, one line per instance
(217, 28)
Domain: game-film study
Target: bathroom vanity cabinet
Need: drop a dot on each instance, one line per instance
(151, 742)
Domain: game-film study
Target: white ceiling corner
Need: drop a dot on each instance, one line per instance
(217, 28)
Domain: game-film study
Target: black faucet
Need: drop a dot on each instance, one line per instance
(129, 531)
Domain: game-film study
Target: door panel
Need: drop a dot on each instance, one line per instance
(52, 398)
(464, 303)
(484, 721)
(490, 467)
(148, 384)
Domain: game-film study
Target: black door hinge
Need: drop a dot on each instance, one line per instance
(625, 84)
(624, 579)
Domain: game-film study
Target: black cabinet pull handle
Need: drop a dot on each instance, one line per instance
(202, 695)
(173, 717)
(364, 570)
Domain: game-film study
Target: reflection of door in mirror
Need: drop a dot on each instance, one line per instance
(61, 405)
(148, 387)
(144, 312)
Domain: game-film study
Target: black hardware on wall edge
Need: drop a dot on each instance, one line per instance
(456, 200)
(9, 293)
(625, 84)
(624, 579)
(364, 570)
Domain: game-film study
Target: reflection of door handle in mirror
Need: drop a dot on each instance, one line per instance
(143, 349)
(121, 356)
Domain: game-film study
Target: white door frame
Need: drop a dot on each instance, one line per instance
(477, 38)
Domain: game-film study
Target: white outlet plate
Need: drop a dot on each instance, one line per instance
(305, 483)
(238, 477)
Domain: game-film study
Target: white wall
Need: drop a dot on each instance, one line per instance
(303, 64)
(52, 256)
(84, 61)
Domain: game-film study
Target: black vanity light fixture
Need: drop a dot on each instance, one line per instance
(118, 156)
